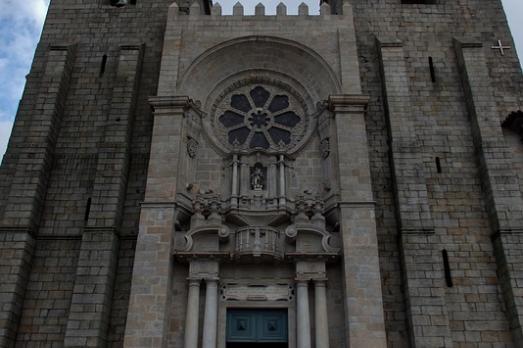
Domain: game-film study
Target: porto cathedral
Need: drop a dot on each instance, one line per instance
(182, 178)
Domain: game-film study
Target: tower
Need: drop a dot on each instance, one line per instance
(181, 178)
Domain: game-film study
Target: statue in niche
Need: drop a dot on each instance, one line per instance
(258, 177)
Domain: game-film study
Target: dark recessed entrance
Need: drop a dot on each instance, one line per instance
(257, 328)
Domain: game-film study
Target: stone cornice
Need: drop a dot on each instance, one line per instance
(388, 42)
(352, 103)
(467, 43)
(171, 104)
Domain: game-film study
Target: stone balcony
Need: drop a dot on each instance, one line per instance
(258, 241)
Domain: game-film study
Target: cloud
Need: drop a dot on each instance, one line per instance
(20, 26)
(5, 132)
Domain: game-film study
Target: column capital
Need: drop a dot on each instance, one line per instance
(194, 281)
(349, 103)
(320, 282)
(302, 282)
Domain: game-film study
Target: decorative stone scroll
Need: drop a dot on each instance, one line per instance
(206, 225)
(310, 234)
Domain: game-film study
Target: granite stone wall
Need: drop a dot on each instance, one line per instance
(49, 171)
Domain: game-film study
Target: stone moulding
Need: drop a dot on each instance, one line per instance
(206, 58)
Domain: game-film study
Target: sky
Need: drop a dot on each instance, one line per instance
(21, 22)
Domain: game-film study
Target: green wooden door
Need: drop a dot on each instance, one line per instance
(257, 325)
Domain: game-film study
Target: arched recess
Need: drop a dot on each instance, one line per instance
(513, 134)
(259, 53)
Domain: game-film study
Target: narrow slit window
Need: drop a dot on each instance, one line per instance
(87, 209)
(432, 70)
(438, 165)
(103, 65)
(446, 265)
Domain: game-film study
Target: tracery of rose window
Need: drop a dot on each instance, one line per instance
(259, 119)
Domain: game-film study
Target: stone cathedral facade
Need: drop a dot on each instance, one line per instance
(181, 178)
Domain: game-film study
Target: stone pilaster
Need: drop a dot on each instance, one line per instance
(92, 293)
(33, 143)
(422, 270)
(363, 297)
(34, 138)
(147, 319)
(16, 251)
(501, 188)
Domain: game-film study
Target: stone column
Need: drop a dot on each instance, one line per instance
(235, 177)
(211, 314)
(245, 185)
(192, 315)
(149, 303)
(322, 317)
(362, 284)
(502, 193)
(303, 315)
(283, 189)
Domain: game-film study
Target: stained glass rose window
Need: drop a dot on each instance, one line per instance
(260, 117)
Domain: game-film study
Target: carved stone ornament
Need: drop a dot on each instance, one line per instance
(325, 148)
(258, 177)
(192, 147)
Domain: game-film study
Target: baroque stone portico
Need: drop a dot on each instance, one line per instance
(182, 178)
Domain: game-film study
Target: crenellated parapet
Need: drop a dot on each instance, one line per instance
(196, 10)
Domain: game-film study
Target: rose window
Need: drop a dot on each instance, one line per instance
(260, 118)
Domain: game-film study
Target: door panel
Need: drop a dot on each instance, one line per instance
(256, 326)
